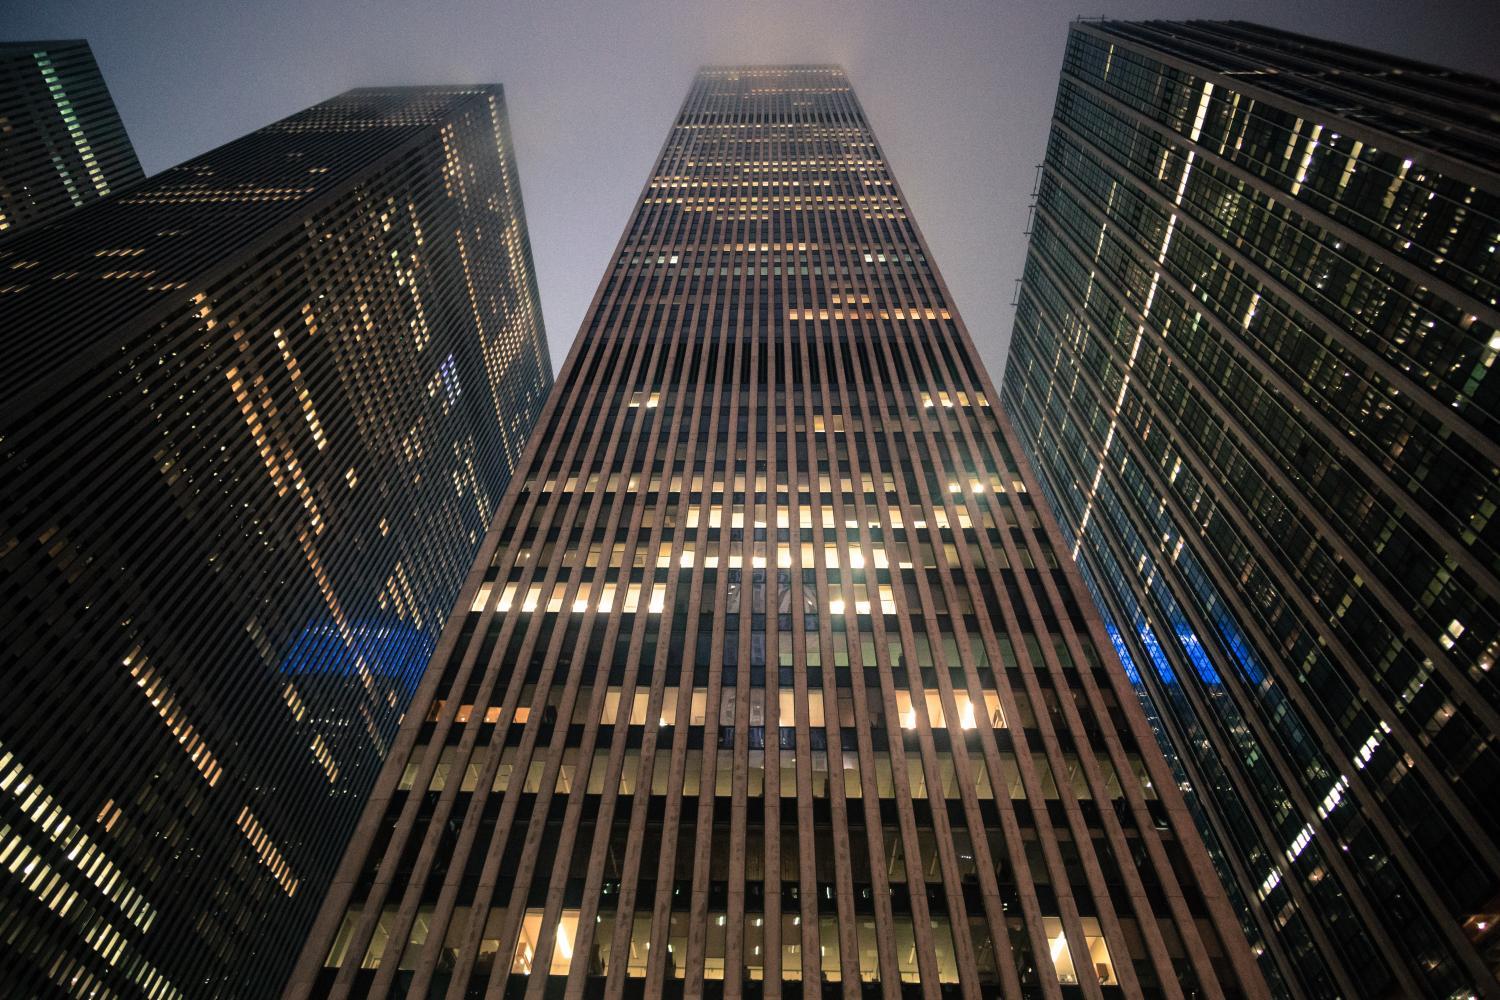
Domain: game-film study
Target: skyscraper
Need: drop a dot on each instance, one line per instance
(768, 674)
(258, 412)
(1253, 367)
(62, 144)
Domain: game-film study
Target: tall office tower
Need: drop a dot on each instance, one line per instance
(1252, 367)
(774, 683)
(257, 415)
(62, 144)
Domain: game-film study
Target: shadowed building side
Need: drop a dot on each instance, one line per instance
(258, 413)
(1253, 366)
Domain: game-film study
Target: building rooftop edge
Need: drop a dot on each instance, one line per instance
(771, 67)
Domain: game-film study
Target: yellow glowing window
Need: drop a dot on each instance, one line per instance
(906, 714)
(992, 708)
(564, 937)
(815, 709)
(610, 711)
(533, 596)
(481, 598)
(507, 597)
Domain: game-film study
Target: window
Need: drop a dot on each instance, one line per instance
(341, 939)
(565, 935)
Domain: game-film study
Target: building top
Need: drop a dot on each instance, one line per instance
(63, 144)
(751, 69)
(35, 44)
(1446, 118)
(139, 256)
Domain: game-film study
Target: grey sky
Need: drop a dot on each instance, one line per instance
(960, 93)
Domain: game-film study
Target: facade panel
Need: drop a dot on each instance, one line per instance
(258, 413)
(769, 679)
(1252, 366)
(62, 144)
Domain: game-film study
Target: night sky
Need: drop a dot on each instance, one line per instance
(959, 93)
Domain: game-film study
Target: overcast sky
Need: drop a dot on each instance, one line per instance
(960, 93)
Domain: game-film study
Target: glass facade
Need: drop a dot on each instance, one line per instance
(258, 413)
(771, 679)
(62, 144)
(1252, 367)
